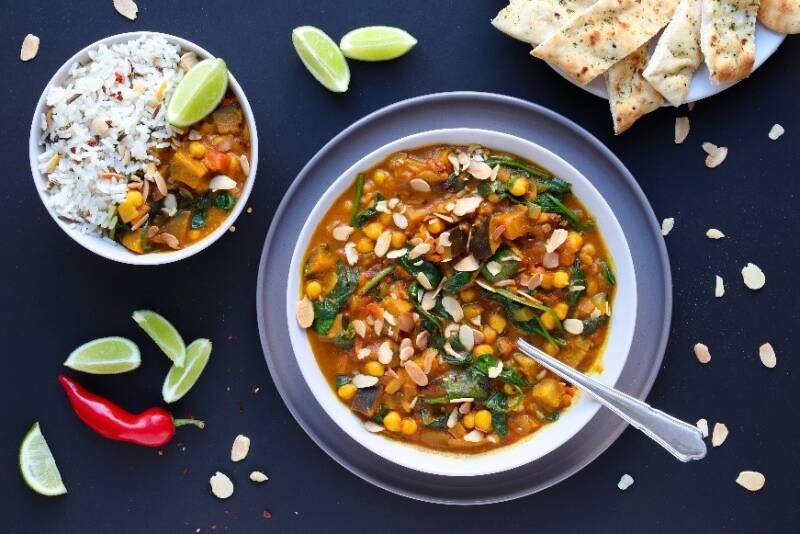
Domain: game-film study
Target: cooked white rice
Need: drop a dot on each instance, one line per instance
(137, 125)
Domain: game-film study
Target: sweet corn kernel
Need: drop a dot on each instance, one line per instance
(374, 368)
(497, 322)
(550, 349)
(379, 177)
(548, 321)
(560, 279)
(398, 239)
(373, 230)
(392, 421)
(589, 249)
(489, 334)
(483, 420)
(575, 240)
(365, 245)
(468, 295)
(547, 281)
(409, 427)
(435, 226)
(197, 150)
(347, 391)
(561, 309)
(471, 311)
(313, 289)
(468, 421)
(519, 187)
(480, 350)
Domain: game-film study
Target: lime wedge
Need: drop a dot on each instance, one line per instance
(376, 43)
(322, 58)
(163, 333)
(37, 465)
(198, 93)
(105, 356)
(181, 379)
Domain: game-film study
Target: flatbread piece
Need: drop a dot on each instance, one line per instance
(782, 16)
(728, 38)
(533, 21)
(630, 95)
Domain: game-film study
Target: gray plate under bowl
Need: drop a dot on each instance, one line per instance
(512, 116)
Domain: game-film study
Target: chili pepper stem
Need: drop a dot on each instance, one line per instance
(182, 422)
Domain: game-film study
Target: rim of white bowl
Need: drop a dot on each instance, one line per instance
(544, 440)
(100, 245)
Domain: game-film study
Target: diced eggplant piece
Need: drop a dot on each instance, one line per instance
(320, 260)
(458, 240)
(367, 400)
(480, 245)
(178, 225)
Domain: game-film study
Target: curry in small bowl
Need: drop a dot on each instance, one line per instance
(419, 279)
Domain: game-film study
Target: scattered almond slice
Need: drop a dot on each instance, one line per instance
(625, 482)
(667, 225)
(342, 232)
(467, 264)
(751, 480)
(702, 425)
(719, 435)
(189, 60)
(415, 373)
(719, 286)
(30, 47)
(753, 276)
(767, 355)
(419, 250)
(709, 148)
(385, 353)
(240, 448)
(452, 307)
(716, 157)
(702, 353)
(126, 8)
(573, 326)
(418, 184)
(258, 476)
(373, 427)
(221, 183)
(556, 239)
(479, 170)
(221, 485)
(383, 243)
(467, 205)
(400, 220)
(776, 131)
(713, 233)
(494, 372)
(466, 336)
(364, 381)
(305, 313)
(476, 436)
(681, 129)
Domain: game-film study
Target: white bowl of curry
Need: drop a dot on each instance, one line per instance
(417, 270)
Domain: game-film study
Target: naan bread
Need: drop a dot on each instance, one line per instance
(728, 38)
(603, 35)
(783, 16)
(533, 21)
(629, 94)
(677, 54)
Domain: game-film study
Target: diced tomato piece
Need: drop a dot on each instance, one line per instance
(216, 161)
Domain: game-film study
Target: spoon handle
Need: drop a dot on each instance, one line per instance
(682, 440)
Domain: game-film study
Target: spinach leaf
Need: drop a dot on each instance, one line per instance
(608, 273)
(225, 201)
(553, 417)
(557, 187)
(380, 414)
(507, 375)
(326, 309)
(506, 260)
(577, 284)
(493, 188)
(430, 322)
(368, 213)
(345, 339)
(457, 346)
(518, 165)
(460, 280)
(430, 421)
(456, 384)
(421, 265)
(513, 304)
(593, 324)
(550, 204)
(198, 219)
(341, 380)
(454, 183)
(357, 200)
(497, 404)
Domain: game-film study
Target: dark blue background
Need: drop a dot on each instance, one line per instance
(55, 295)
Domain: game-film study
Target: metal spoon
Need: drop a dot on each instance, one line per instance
(682, 440)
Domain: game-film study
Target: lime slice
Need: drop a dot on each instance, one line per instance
(37, 465)
(322, 58)
(181, 379)
(198, 93)
(105, 356)
(163, 333)
(376, 43)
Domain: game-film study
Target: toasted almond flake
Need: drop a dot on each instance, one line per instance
(221, 485)
(467, 264)
(138, 223)
(393, 202)
(719, 434)
(364, 381)
(373, 427)
(709, 148)
(550, 260)
(415, 373)
(719, 286)
(751, 480)
(453, 159)
(494, 372)
(385, 353)
(152, 231)
(753, 276)
(702, 425)
(495, 171)
(466, 336)
(189, 60)
(716, 158)
(451, 351)
(382, 207)
(479, 170)
(377, 327)
(159, 94)
(305, 313)
(400, 220)
(428, 300)
(452, 307)
(389, 318)
(161, 185)
(465, 408)
(245, 164)
(126, 8)
(418, 184)
(667, 225)
(466, 205)
(98, 126)
(109, 175)
(394, 254)
(427, 359)
(625, 482)
(342, 232)
(461, 400)
(168, 239)
(382, 244)
(573, 326)
(406, 349)
(713, 233)
(452, 419)
(422, 339)
(423, 281)
(767, 355)
(702, 353)
(477, 334)
(363, 353)
(444, 239)
(258, 476)
(52, 163)
(194, 135)
(30, 47)
(681, 129)
(350, 253)
(494, 268)
(476, 436)
(419, 250)
(556, 239)
(534, 281)
(221, 183)
(405, 322)
(776, 131)
(463, 160)
(240, 448)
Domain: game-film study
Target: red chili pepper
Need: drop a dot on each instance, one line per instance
(152, 428)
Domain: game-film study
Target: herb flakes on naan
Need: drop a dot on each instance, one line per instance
(533, 21)
(728, 38)
(782, 16)
(630, 95)
(603, 35)
(677, 54)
